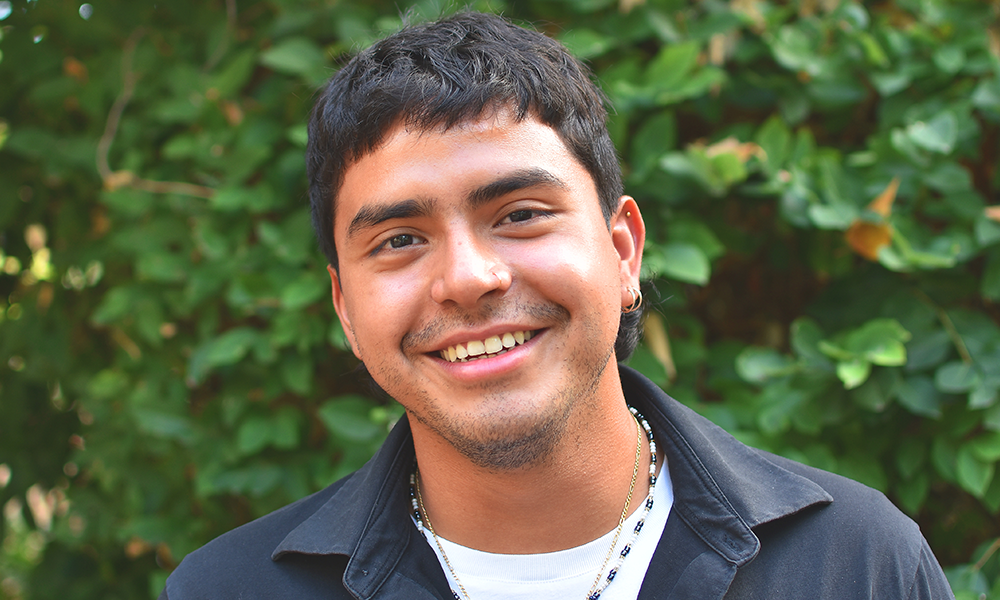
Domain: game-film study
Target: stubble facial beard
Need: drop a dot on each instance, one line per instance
(498, 440)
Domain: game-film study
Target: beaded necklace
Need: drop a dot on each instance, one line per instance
(597, 588)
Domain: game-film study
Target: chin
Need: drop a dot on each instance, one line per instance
(500, 439)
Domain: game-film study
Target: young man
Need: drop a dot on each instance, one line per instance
(485, 268)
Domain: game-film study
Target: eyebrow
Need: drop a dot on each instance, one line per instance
(518, 180)
(372, 215)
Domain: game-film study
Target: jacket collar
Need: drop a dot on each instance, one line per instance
(367, 519)
(722, 489)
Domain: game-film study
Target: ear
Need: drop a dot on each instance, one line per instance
(628, 234)
(340, 305)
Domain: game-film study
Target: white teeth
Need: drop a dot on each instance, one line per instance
(491, 346)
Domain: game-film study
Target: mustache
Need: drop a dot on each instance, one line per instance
(550, 313)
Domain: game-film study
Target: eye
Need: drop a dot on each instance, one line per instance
(399, 241)
(522, 215)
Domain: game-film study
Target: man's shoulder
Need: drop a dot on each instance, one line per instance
(241, 559)
(859, 540)
(856, 508)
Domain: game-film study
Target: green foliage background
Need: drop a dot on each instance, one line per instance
(170, 366)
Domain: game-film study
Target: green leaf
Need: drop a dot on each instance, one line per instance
(987, 94)
(231, 346)
(888, 84)
(657, 136)
(873, 51)
(297, 373)
(912, 492)
(285, 432)
(806, 338)
(982, 396)
(349, 418)
(255, 434)
(929, 349)
(256, 199)
(226, 349)
(911, 455)
(794, 50)
(235, 74)
(586, 43)
(861, 468)
(956, 377)
(683, 262)
(950, 178)
(945, 457)
(775, 140)
(937, 135)
(987, 231)
(295, 56)
(729, 168)
(989, 287)
(305, 290)
(832, 216)
(757, 365)
(673, 63)
(161, 424)
(697, 234)
(986, 446)
(853, 373)
(949, 59)
(872, 396)
(879, 341)
(974, 474)
(919, 396)
(778, 404)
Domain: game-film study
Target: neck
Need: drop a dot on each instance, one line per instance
(570, 497)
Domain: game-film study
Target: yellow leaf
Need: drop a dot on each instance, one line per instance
(882, 204)
(868, 238)
(742, 150)
(655, 334)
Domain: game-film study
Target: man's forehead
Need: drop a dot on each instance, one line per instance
(492, 121)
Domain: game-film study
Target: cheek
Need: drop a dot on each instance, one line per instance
(571, 272)
(382, 310)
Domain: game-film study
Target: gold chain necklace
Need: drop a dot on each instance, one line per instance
(594, 593)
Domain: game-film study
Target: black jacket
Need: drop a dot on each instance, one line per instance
(745, 524)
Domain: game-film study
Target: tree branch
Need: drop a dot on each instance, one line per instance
(114, 180)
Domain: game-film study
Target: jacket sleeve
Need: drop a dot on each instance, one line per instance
(163, 595)
(929, 582)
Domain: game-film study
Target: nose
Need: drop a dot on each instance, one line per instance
(467, 270)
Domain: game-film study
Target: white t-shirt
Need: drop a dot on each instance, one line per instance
(566, 574)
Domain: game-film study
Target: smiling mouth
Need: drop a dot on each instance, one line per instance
(488, 348)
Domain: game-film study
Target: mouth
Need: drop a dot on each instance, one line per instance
(492, 346)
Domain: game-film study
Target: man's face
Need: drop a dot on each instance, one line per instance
(480, 284)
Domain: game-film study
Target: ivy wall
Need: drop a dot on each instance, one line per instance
(819, 179)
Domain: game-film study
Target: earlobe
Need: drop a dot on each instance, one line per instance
(340, 305)
(628, 234)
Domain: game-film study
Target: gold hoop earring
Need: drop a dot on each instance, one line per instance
(636, 300)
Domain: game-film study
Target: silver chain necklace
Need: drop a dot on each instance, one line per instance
(600, 583)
